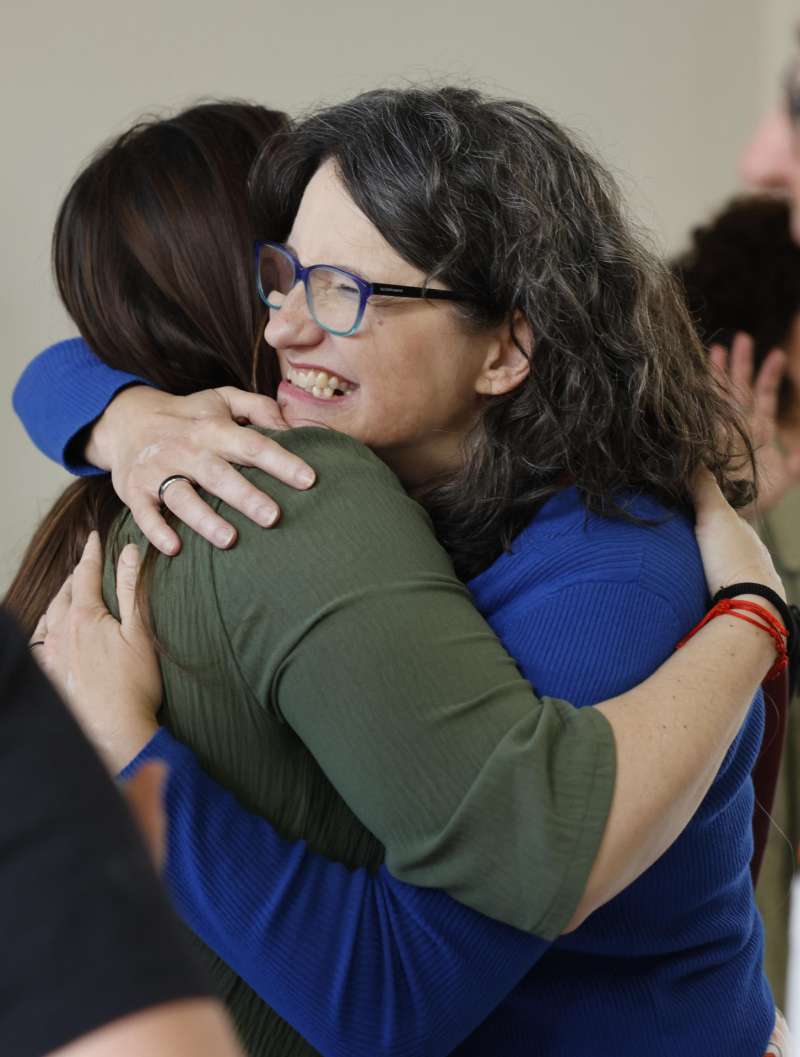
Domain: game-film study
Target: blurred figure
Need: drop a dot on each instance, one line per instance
(771, 159)
(741, 274)
(95, 963)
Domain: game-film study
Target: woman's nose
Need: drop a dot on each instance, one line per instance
(768, 161)
(292, 324)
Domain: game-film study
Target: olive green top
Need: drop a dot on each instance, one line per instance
(333, 673)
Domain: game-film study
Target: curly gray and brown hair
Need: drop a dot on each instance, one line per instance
(495, 199)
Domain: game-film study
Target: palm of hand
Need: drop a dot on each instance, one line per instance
(106, 670)
(777, 468)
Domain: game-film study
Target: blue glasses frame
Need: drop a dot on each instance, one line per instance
(365, 290)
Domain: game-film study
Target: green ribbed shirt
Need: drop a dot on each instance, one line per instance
(334, 674)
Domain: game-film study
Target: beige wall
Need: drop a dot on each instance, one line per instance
(667, 93)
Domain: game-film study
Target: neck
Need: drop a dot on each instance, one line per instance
(419, 466)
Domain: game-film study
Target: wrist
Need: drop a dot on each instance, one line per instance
(764, 610)
(761, 601)
(99, 449)
(127, 741)
(762, 607)
(770, 598)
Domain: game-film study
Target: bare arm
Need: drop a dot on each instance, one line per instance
(671, 732)
(194, 1028)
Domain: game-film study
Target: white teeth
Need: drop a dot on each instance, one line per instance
(318, 383)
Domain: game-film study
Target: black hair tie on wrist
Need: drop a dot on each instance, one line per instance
(790, 615)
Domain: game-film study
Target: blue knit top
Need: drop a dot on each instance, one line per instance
(589, 607)
(673, 965)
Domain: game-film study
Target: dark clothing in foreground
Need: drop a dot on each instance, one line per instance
(87, 934)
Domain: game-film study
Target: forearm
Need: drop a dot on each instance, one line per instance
(358, 963)
(669, 750)
(196, 1028)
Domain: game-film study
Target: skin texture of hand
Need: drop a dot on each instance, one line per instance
(778, 470)
(145, 436)
(106, 670)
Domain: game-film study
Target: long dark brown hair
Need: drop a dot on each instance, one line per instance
(152, 255)
(497, 200)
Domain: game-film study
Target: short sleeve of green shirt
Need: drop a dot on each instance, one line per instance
(348, 623)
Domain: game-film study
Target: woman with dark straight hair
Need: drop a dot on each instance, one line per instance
(162, 286)
(529, 374)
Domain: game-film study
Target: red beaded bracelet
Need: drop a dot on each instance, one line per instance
(771, 625)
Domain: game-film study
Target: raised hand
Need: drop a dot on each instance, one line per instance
(778, 470)
(146, 436)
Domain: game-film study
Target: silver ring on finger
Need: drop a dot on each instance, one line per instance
(171, 480)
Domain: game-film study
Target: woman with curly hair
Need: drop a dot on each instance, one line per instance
(451, 283)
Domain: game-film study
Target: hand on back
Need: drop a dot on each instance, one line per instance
(146, 436)
(105, 669)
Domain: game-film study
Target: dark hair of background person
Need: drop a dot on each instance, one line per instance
(741, 272)
(495, 199)
(152, 253)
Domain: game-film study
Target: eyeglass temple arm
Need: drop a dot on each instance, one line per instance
(418, 291)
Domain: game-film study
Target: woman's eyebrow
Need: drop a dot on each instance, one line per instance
(330, 264)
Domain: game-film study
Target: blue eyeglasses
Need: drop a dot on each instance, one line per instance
(336, 298)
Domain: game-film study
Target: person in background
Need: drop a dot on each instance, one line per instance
(95, 962)
(741, 274)
(770, 160)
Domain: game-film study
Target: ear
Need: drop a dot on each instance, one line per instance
(508, 361)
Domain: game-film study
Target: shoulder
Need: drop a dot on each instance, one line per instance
(356, 528)
(330, 447)
(356, 502)
(565, 546)
(343, 466)
(355, 495)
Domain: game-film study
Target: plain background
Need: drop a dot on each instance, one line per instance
(666, 92)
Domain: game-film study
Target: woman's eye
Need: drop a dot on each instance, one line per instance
(348, 289)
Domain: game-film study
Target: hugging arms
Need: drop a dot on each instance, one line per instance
(444, 815)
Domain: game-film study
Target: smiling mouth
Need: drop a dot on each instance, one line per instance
(320, 384)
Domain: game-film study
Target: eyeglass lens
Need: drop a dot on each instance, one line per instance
(334, 300)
